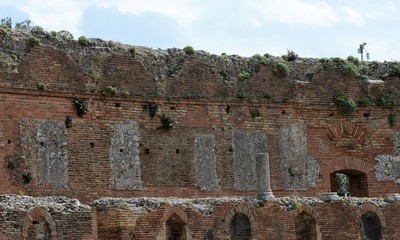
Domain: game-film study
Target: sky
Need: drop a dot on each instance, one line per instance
(311, 28)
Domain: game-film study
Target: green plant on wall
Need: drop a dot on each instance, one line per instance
(82, 40)
(188, 50)
(254, 112)
(243, 95)
(151, 108)
(290, 56)
(385, 101)
(364, 101)
(351, 69)
(391, 119)
(268, 96)
(82, 107)
(40, 86)
(108, 91)
(244, 75)
(27, 177)
(33, 41)
(346, 104)
(281, 69)
(167, 122)
(68, 122)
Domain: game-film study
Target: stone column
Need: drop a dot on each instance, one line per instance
(264, 192)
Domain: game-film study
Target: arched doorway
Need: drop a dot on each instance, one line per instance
(349, 182)
(240, 227)
(371, 228)
(305, 227)
(39, 229)
(175, 228)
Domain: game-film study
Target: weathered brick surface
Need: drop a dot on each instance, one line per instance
(203, 95)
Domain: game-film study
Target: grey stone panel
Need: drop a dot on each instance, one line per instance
(204, 155)
(124, 156)
(299, 170)
(246, 145)
(52, 140)
(387, 168)
(397, 144)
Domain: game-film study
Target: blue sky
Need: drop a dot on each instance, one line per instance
(311, 28)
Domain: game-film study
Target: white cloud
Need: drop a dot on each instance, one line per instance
(353, 17)
(296, 12)
(180, 10)
(54, 15)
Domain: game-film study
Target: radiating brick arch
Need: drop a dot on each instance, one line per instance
(343, 128)
(240, 209)
(35, 214)
(348, 163)
(370, 207)
(371, 221)
(174, 221)
(170, 211)
(305, 223)
(303, 208)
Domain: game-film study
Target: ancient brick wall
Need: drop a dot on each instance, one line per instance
(220, 122)
(220, 119)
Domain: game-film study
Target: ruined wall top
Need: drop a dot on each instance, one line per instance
(52, 61)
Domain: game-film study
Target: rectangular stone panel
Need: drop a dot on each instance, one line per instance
(204, 155)
(124, 156)
(246, 145)
(51, 138)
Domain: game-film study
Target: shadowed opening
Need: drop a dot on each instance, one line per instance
(240, 227)
(348, 182)
(305, 227)
(175, 228)
(371, 228)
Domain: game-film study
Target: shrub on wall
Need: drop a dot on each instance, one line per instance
(364, 101)
(82, 107)
(65, 35)
(281, 69)
(40, 86)
(385, 101)
(290, 56)
(82, 40)
(167, 122)
(244, 75)
(346, 104)
(188, 50)
(108, 91)
(151, 108)
(33, 41)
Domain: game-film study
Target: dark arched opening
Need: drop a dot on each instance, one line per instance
(175, 228)
(39, 229)
(305, 227)
(349, 182)
(240, 227)
(371, 228)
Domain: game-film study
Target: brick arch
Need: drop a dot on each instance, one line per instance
(370, 207)
(348, 163)
(306, 209)
(172, 210)
(37, 213)
(243, 209)
(340, 129)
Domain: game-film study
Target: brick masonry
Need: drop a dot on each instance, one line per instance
(119, 150)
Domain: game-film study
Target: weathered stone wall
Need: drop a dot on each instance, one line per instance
(220, 121)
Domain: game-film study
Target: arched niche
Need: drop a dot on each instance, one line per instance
(240, 223)
(39, 224)
(372, 222)
(175, 220)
